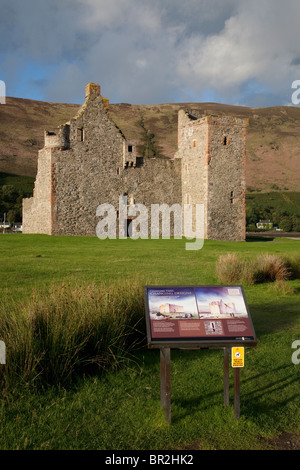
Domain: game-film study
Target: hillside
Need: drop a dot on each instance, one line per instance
(273, 140)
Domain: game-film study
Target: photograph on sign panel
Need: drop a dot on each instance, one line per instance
(220, 302)
(172, 304)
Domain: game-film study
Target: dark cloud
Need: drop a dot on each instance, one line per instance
(295, 61)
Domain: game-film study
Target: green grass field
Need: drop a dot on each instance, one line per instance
(120, 409)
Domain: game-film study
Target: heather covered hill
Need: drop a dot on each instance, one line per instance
(22, 124)
(273, 141)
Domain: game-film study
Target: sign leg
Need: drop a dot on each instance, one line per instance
(165, 381)
(226, 376)
(162, 379)
(237, 392)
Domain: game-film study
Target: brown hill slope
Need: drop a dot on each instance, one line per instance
(273, 142)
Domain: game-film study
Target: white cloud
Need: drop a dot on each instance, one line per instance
(258, 43)
(151, 51)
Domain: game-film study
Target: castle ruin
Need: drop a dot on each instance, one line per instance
(88, 162)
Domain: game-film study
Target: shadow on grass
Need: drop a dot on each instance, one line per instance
(259, 239)
(280, 384)
(274, 316)
(269, 397)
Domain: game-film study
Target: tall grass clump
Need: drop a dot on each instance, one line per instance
(264, 267)
(268, 268)
(230, 268)
(293, 263)
(69, 331)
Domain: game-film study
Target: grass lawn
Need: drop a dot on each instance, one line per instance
(120, 410)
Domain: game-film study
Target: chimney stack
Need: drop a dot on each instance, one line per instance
(92, 90)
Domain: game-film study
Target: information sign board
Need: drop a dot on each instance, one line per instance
(198, 316)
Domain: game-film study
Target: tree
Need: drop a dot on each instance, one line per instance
(296, 223)
(9, 193)
(286, 224)
(252, 216)
(11, 216)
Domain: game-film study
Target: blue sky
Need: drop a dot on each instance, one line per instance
(242, 52)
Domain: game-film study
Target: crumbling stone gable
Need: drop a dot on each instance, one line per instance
(89, 162)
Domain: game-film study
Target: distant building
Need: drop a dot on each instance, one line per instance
(265, 225)
(5, 225)
(18, 227)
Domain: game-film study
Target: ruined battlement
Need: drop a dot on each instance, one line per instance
(60, 139)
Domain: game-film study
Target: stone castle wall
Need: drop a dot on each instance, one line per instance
(213, 154)
(193, 152)
(88, 162)
(226, 178)
(37, 216)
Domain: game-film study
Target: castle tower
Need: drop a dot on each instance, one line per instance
(213, 154)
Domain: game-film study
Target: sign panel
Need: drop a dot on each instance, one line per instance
(203, 315)
(237, 357)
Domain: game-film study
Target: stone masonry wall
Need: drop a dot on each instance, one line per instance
(226, 178)
(213, 154)
(193, 152)
(88, 162)
(92, 172)
(37, 209)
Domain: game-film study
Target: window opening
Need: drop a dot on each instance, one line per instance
(80, 134)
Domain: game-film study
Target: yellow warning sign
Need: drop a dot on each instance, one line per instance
(237, 357)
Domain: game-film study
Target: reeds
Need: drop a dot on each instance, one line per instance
(231, 268)
(68, 331)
